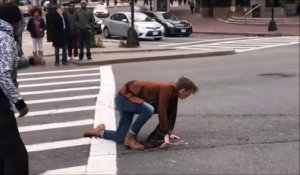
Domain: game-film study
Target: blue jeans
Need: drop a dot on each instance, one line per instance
(127, 110)
(85, 37)
(64, 54)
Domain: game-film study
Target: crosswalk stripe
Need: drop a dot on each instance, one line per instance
(55, 125)
(67, 171)
(203, 41)
(49, 100)
(102, 150)
(59, 90)
(245, 44)
(58, 83)
(57, 77)
(58, 144)
(57, 71)
(60, 111)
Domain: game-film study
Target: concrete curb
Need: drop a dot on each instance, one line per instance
(154, 58)
(124, 50)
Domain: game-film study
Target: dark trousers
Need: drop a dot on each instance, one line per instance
(64, 54)
(13, 154)
(73, 45)
(85, 37)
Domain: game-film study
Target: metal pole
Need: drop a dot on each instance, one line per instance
(132, 36)
(132, 13)
(272, 24)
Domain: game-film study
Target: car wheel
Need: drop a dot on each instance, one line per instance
(186, 35)
(106, 33)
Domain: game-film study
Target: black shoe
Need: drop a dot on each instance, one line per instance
(65, 63)
(56, 64)
(80, 56)
(90, 58)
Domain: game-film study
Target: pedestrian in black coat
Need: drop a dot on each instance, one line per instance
(61, 29)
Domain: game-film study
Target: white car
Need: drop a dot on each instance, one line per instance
(100, 11)
(24, 7)
(118, 24)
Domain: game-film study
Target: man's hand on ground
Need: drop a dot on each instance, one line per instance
(174, 137)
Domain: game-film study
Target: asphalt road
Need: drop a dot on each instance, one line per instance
(244, 120)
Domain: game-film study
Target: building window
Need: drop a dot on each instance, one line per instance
(276, 3)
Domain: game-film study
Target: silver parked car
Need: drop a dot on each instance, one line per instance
(118, 24)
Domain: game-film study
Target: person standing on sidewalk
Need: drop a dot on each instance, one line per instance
(192, 6)
(84, 21)
(36, 26)
(61, 29)
(13, 153)
(73, 37)
(138, 97)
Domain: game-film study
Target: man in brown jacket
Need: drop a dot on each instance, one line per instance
(145, 98)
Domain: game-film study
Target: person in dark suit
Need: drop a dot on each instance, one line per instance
(61, 29)
(145, 98)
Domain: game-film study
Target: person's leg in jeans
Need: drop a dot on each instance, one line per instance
(81, 43)
(88, 37)
(123, 127)
(127, 110)
(145, 111)
(75, 44)
(70, 46)
(126, 116)
(56, 55)
(64, 55)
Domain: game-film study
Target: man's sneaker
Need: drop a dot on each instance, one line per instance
(65, 63)
(56, 64)
(90, 59)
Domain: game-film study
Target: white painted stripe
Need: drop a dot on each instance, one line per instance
(60, 111)
(58, 83)
(270, 46)
(57, 144)
(59, 90)
(104, 151)
(67, 171)
(55, 125)
(57, 77)
(57, 71)
(49, 100)
(203, 41)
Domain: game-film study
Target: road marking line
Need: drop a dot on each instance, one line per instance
(58, 83)
(59, 90)
(66, 171)
(49, 100)
(204, 41)
(59, 111)
(55, 125)
(57, 77)
(56, 71)
(103, 159)
(57, 144)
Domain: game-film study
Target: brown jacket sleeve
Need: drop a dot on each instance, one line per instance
(165, 95)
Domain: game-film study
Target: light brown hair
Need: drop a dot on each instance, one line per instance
(187, 84)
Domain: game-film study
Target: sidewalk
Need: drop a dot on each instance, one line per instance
(113, 54)
(215, 26)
